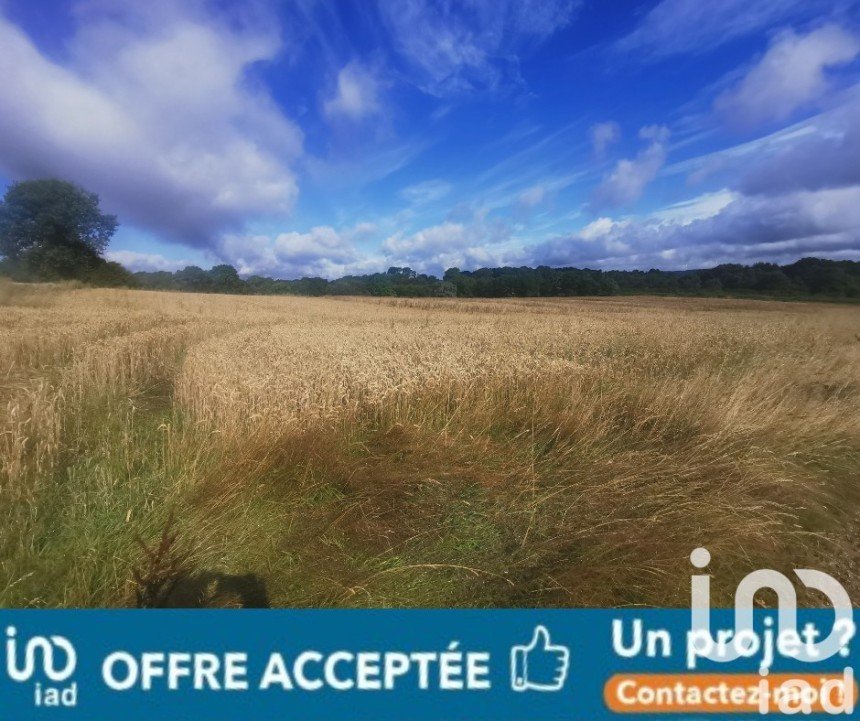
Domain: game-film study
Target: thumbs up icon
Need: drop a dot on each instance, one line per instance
(540, 665)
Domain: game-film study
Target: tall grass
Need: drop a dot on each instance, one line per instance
(445, 453)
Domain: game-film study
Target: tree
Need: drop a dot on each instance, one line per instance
(111, 275)
(193, 278)
(56, 262)
(225, 279)
(53, 229)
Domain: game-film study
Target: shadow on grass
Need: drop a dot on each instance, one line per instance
(212, 589)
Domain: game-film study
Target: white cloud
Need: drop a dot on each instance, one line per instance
(694, 26)
(791, 75)
(356, 95)
(426, 192)
(627, 180)
(719, 227)
(700, 167)
(145, 261)
(461, 47)
(444, 237)
(322, 251)
(698, 208)
(597, 228)
(603, 135)
(155, 115)
(747, 229)
(606, 231)
(327, 252)
(466, 244)
(613, 234)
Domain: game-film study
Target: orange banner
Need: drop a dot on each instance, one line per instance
(730, 693)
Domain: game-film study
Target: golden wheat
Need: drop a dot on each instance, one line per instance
(593, 442)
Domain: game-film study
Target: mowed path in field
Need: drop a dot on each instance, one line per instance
(394, 452)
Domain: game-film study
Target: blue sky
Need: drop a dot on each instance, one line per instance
(296, 137)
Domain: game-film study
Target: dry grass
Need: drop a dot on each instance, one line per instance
(424, 452)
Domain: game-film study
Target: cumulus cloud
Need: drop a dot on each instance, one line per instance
(627, 180)
(356, 95)
(156, 114)
(430, 241)
(463, 244)
(323, 251)
(692, 26)
(791, 75)
(603, 135)
(598, 228)
(452, 48)
(749, 228)
(327, 252)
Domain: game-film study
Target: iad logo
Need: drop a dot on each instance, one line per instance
(57, 661)
(743, 640)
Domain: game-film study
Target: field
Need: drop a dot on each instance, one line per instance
(179, 449)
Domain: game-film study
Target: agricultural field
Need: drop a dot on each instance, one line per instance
(211, 450)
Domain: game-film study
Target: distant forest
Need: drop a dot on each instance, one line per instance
(807, 277)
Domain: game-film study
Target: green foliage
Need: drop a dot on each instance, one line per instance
(108, 274)
(39, 213)
(806, 277)
(226, 279)
(53, 230)
(399, 282)
(192, 279)
(49, 262)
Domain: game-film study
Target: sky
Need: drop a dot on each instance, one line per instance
(296, 138)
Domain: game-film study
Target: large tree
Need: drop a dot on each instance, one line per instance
(53, 229)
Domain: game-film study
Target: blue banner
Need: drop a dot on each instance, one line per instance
(423, 665)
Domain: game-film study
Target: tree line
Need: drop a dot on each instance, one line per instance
(53, 230)
(804, 278)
